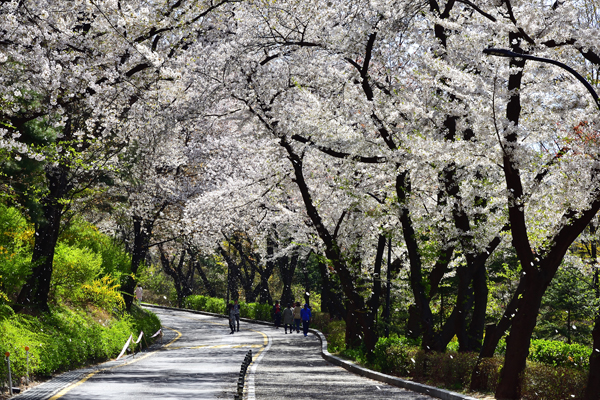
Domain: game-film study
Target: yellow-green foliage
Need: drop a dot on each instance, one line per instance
(103, 293)
(84, 235)
(74, 266)
(68, 338)
(16, 242)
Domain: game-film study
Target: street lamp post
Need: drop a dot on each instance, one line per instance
(512, 54)
(388, 287)
(306, 288)
(228, 285)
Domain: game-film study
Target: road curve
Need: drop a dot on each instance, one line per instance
(293, 368)
(201, 360)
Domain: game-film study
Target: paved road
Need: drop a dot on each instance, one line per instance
(201, 360)
(293, 368)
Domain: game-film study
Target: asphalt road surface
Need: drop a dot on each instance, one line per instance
(201, 360)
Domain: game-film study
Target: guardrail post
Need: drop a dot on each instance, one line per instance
(10, 388)
(27, 374)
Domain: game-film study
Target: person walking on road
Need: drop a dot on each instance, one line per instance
(277, 314)
(236, 313)
(306, 316)
(288, 318)
(297, 316)
(139, 291)
(231, 319)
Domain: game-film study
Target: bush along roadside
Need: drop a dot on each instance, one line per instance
(67, 338)
(257, 311)
(555, 370)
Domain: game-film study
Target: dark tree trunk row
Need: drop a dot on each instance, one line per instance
(287, 267)
(207, 283)
(182, 279)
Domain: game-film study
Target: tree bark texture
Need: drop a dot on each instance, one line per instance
(592, 390)
(33, 297)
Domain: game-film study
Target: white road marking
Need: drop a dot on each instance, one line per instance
(250, 384)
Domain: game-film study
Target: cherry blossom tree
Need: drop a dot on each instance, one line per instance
(82, 72)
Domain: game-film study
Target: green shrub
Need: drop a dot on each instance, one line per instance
(542, 381)
(451, 369)
(453, 345)
(358, 355)
(159, 287)
(215, 305)
(16, 244)
(204, 303)
(102, 293)
(263, 312)
(391, 356)
(501, 347)
(335, 332)
(557, 353)
(81, 234)
(144, 321)
(195, 302)
(67, 338)
(72, 268)
(320, 320)
(490, 369)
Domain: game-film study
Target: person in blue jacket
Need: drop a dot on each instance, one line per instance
(305, 315)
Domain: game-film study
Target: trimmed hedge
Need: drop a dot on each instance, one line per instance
(560, 354)
(555, 370)
(205, 303)
(543, 381)
(261, 312)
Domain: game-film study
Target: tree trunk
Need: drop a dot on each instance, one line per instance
(287, 267)
(207, 284)
(233, 273)
(374, 300)
(403, 189)
(34, 294)
(493, 334)
(413, 325)
(480, 299)
(176, 273)
(331, 300)
(33, 297)
(592, 390)
(353, 332)
(519, 339)
(356, 304)
(142, 231)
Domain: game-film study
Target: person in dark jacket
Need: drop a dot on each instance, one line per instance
(277, 314)
(305, 315)
(231, 319)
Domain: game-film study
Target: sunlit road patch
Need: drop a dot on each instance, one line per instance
(203, 363)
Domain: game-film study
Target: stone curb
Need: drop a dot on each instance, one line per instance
(350, 366)
(389, 379)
